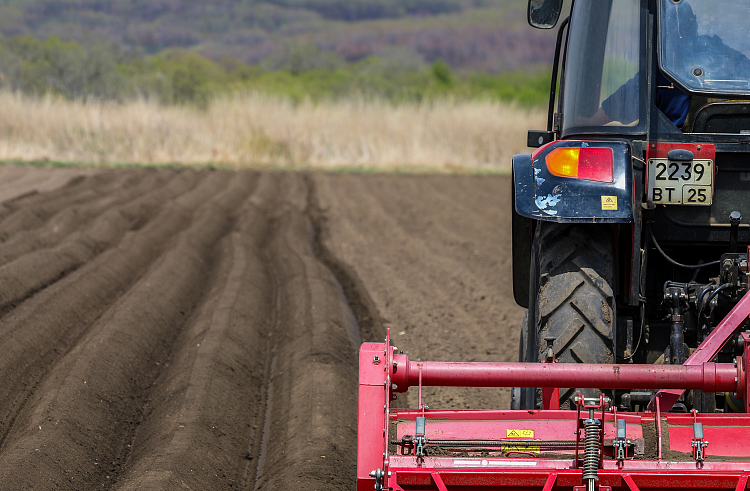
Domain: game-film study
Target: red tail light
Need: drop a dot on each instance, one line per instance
(590, 164)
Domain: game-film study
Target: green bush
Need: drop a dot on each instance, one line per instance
(181, 76)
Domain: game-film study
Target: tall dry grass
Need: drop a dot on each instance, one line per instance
(254, 130)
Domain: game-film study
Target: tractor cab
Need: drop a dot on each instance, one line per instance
(629, 214)
(631, 67)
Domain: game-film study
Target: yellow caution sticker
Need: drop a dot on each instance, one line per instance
(519, 433)
(513, 448)
(609, 202)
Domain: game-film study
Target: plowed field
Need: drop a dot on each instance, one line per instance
(196, 329)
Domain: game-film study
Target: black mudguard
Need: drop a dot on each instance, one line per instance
(542, 196)
(539, 195)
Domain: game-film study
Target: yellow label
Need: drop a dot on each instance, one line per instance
(609, 202)
(513, 448)
(519, 433)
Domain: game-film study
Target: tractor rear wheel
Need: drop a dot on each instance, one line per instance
(574, 301)
(519, 395)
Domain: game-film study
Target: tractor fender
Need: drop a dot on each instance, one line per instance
(540, 195)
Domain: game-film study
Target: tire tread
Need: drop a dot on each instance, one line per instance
(576, 302)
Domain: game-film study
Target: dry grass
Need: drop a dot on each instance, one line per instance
(259, 131)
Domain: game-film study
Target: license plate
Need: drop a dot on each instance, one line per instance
(680, 183)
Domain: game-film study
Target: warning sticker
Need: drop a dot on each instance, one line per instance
(609, 202)
(519, 433)
(520, 448)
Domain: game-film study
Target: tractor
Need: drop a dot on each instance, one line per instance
(631, 257)
(628, 241)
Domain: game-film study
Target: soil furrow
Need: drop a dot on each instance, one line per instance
(438, 271)
(207, 399)
(39, 331)
(312, 434)
(30, 273)
(87, 401)
(33, 210)
(17, 181)
(185, 329)
(72, 218)
(371, 324)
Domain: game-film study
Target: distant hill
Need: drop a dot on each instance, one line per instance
(469, 35)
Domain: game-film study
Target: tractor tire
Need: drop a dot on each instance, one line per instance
(522, 397)
(574, 301)
(516, 393)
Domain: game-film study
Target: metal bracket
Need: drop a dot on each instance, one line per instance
(621, 442)
(550, 353)
(378, 475)
(419, 437)
(698, 443)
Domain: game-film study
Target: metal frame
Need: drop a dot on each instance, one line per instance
(522, 464)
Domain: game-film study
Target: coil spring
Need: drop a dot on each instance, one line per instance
(591, 450)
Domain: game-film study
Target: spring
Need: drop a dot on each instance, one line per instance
(591, 450)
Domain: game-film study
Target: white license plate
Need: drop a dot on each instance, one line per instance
(680, 183)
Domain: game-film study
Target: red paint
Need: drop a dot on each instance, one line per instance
(708, 377)
(660, 150)
(371, 422)
(497, 429)
(550, 482)
(724, 441)
(550, 395)
(726, 432)
(519, 479)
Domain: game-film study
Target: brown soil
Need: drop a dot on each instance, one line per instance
(197, 329)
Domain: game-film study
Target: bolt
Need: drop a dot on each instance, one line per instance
(376, 360)
(735, 218)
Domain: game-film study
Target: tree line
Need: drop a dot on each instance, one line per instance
(105, 70)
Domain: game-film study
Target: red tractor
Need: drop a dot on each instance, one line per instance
(630, 254)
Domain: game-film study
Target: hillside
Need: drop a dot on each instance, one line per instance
(484, 35)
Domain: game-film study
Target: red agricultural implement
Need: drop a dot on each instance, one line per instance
(594, 447)
(632, 260)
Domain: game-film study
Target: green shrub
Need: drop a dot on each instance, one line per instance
(179, 76)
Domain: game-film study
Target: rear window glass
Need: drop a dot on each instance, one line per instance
(704, 45)
(603, 69)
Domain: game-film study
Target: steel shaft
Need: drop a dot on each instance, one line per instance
(708, 377)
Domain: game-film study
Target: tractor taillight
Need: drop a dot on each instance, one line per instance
(591, 164)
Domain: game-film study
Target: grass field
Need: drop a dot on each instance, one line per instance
(253, 130)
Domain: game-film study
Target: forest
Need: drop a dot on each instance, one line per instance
(187, 51)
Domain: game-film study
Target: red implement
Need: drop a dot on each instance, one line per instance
(593, 448)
